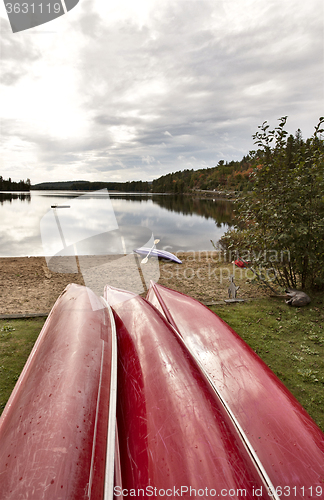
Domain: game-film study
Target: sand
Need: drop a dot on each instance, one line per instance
(30, 285)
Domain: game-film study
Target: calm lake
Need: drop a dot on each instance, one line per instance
(62, 222)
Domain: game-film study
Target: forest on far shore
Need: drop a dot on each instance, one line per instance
(235, 175)
(225, 176)
(9, 185)
(232, 176)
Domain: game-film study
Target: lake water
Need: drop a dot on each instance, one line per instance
(101, 223)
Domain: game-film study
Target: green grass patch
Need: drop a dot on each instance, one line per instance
(17, 338)
(289, 340)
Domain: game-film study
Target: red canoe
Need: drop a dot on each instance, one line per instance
(284, 438)
(175, 436)
(55, 441)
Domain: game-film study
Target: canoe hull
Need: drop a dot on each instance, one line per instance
(286, 440)
(161, 254)
(53, 430)
(173, 431)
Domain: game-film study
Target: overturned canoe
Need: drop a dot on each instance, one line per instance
(155, 252)
(286, 441)
(54, 428)
(175, 436)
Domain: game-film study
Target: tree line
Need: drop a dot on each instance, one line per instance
(228, 176)
(133, 186)
(9, 185)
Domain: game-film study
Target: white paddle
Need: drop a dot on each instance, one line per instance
(146, 258)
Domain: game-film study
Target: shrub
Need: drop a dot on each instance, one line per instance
(283, 215)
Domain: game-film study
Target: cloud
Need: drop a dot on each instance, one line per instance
(138, 92)
(148, 160)
(16, 56)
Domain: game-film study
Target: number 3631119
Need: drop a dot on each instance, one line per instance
(32, 8)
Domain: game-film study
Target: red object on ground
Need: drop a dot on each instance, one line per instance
(241, 263)
(173, 430)
(288, 443)
(53, 430)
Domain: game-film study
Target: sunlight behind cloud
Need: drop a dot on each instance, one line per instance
(122, 134)
(138, 12)
(118, 82)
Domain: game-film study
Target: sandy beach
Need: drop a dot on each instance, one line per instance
(30, 285)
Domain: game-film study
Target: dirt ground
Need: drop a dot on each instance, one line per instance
(32, 285)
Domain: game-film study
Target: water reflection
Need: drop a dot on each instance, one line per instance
(180, 222)
(9, 196)
(220, 210)
(84, 236)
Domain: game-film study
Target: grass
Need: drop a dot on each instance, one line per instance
(289, 340)
(17, 338)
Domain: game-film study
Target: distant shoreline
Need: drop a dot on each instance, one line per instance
(228, 195)
(201, 193)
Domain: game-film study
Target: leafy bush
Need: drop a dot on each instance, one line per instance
(283, 216)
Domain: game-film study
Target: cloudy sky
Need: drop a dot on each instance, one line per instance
(133, 90)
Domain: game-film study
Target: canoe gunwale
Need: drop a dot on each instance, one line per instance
(112, 421)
